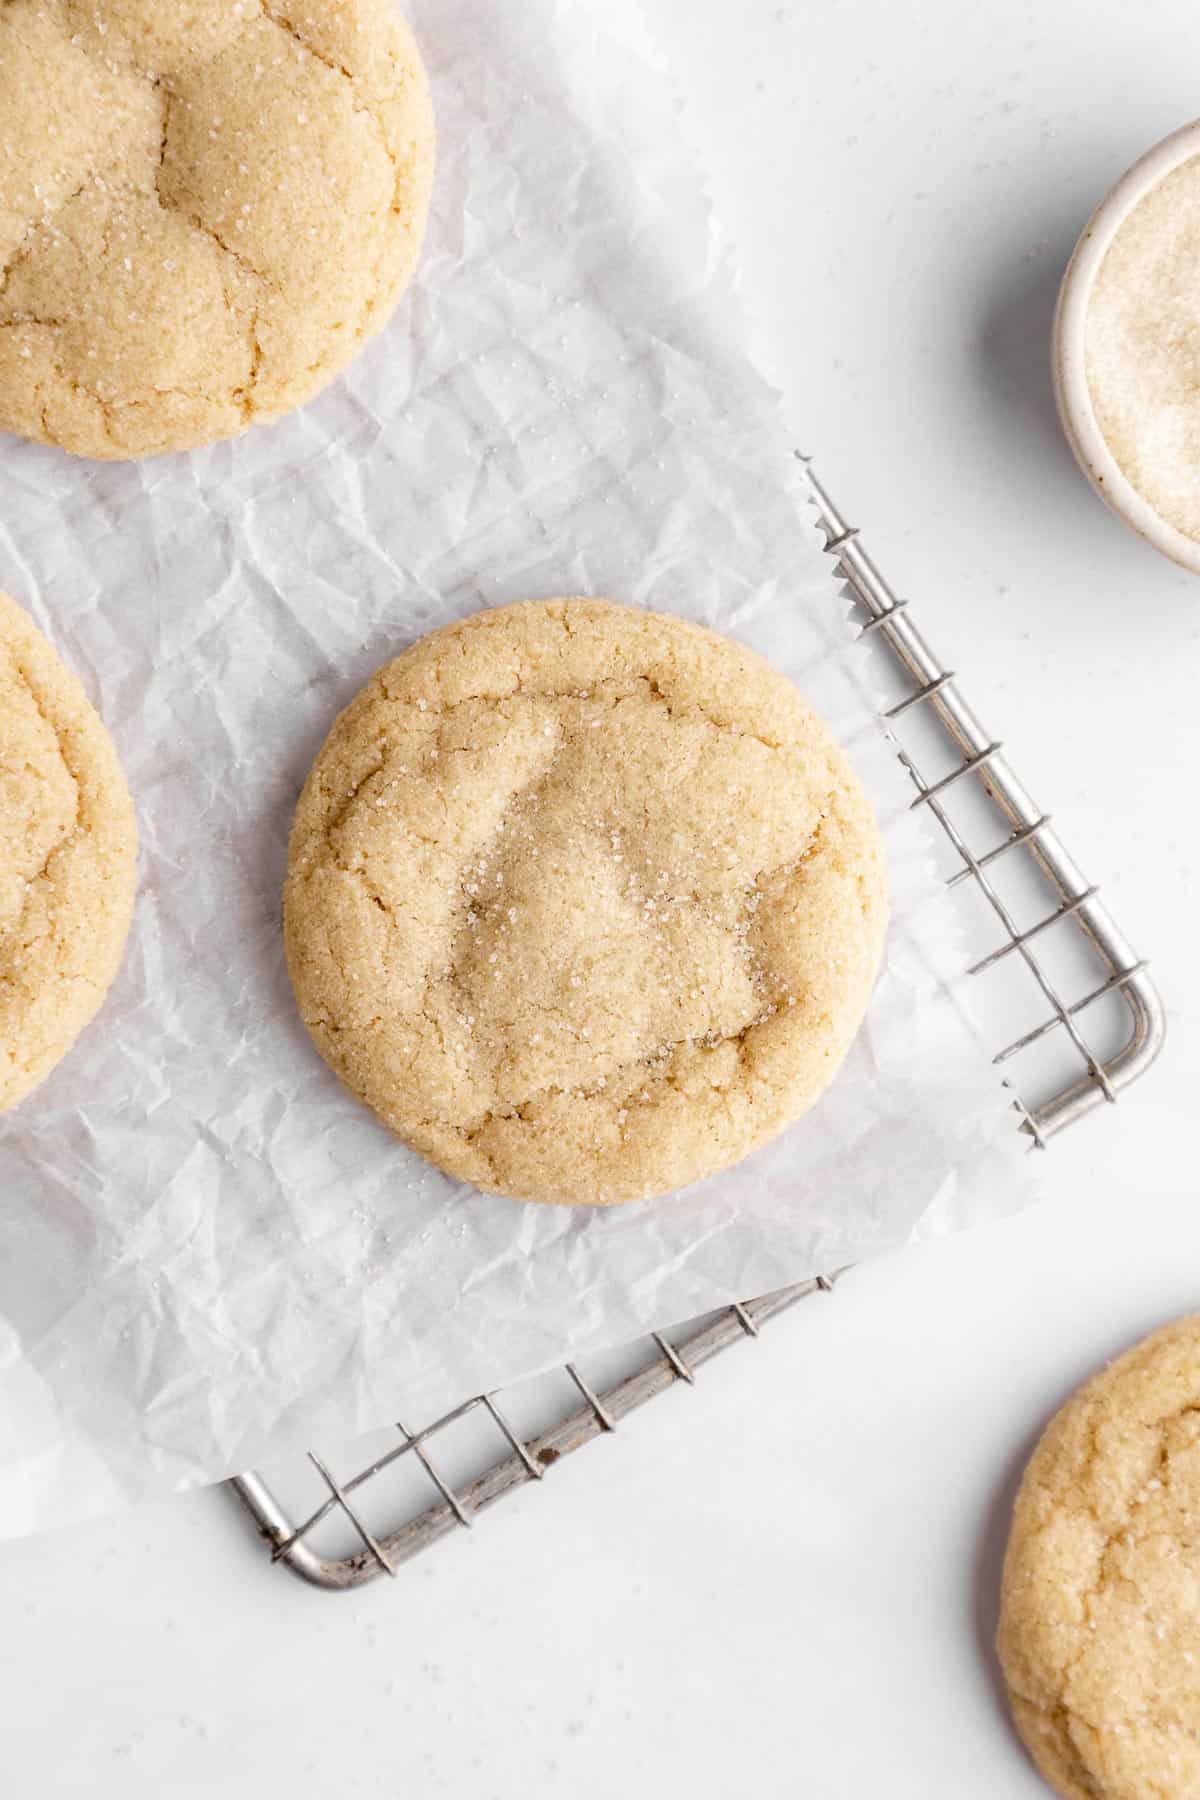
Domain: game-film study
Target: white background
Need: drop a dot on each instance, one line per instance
(783, 1581)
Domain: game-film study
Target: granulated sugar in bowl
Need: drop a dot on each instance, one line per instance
(1127, 348)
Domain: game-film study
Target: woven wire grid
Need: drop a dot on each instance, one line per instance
(1092, 1024)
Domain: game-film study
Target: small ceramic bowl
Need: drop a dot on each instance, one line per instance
(1070, 369)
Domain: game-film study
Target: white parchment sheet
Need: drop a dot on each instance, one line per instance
(207, 1248)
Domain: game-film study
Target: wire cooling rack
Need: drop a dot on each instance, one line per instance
(1074, 1010)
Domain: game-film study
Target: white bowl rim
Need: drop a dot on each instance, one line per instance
(1071, 389)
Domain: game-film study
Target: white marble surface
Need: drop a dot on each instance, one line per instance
(782, 1581)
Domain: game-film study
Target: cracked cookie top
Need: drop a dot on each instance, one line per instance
(68, 850)
(583, 901)
(206, 206)
(1100, 1609)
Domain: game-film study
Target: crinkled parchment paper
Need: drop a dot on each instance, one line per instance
(207, 1248)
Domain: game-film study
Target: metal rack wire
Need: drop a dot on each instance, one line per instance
(1096, 1012)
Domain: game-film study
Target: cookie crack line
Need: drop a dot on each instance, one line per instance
(258, 356)
(22, 248)
(621, 690)
(664, 699)
(289, 29)
(661, 1055)
(39, 321)
(657, 1061)
(110, 410)
(193, 218)
(284, 24)
(346, 806)
(77, 387)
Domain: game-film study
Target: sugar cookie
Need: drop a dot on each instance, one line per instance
(68, 854)
(205, 209)
(584, 901)
(1100, 1615)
